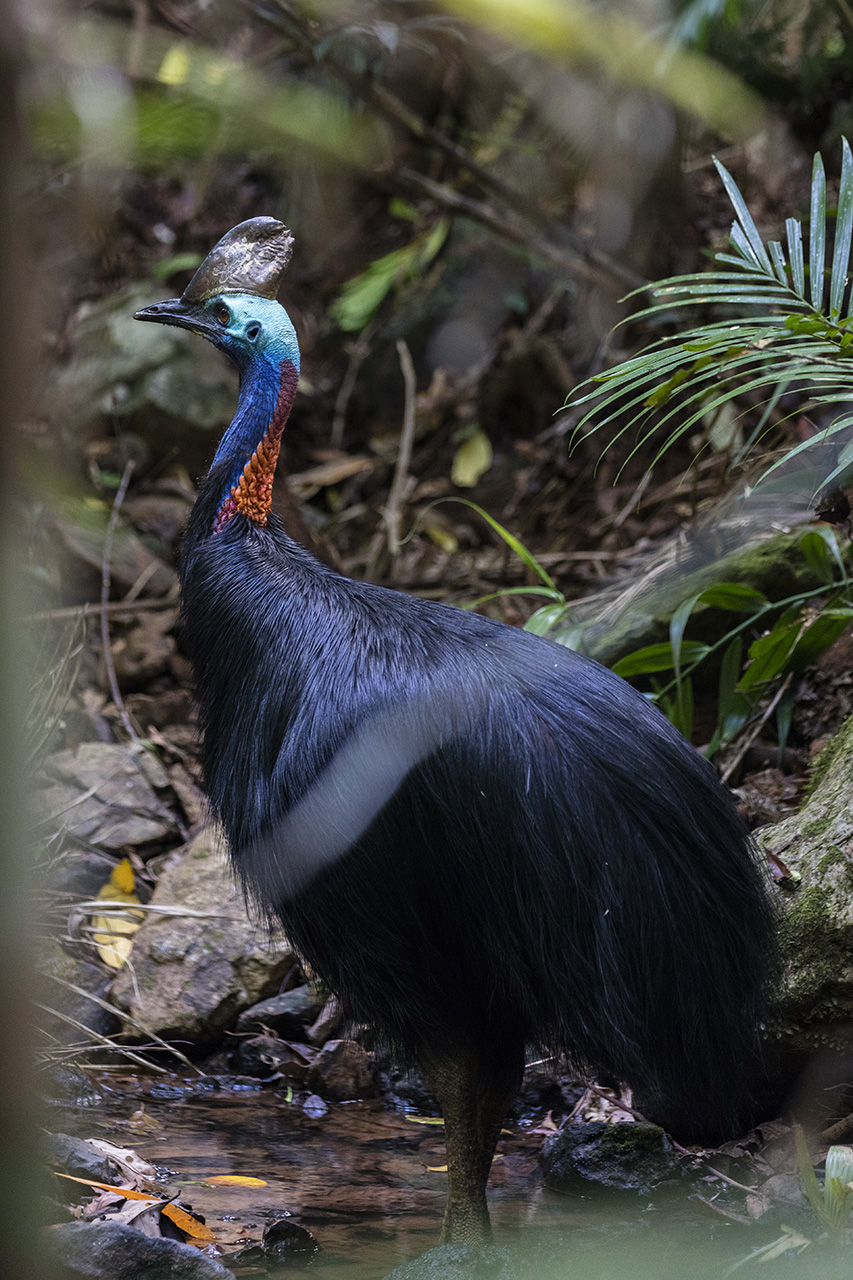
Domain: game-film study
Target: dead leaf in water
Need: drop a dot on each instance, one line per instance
(234, 1180)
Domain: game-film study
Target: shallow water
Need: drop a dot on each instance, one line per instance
(368, 1185)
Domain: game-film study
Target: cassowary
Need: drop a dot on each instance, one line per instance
(477, 838)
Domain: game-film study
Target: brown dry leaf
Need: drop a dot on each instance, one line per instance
(234, 1180)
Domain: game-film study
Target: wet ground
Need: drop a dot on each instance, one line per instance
(369, 1185)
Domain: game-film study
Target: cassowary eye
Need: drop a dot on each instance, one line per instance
(223, 315)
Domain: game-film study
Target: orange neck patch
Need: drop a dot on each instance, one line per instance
(252, 493)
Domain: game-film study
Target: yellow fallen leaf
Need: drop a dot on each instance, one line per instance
(473, 458)
(114, 933)
(125, 1192)
(425, 1119)
(234, 1180)
(189, 1224)
(436, 1168)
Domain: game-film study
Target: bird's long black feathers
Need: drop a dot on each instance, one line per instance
(473, 835)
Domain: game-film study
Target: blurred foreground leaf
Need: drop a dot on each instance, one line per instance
(567, 31)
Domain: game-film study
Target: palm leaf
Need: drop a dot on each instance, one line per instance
(771, 334)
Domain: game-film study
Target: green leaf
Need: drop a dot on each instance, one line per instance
(817, 233)
(794, 232)
(680, 710)
(677, 623)
(816, 554)
(733, 709)
(843, 233)
(736, 597)
(784, 716)
(658, 657)
(513, 543)
(753, 239)
(542, 621)
(769, 654)
(362, 295)
(818, 636)
(811, 1186)
(178, 262)
(548, 592)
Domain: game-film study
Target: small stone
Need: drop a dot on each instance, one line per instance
(343, 1072)
(264, 1056)
(627, 1156)
(287, 1015)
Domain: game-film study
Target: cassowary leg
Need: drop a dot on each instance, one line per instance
(474, 1091)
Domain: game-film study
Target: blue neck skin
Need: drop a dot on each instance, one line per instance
(265, 363)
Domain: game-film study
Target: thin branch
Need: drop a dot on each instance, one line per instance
(747, 742)
(511, 227)
(87, 610)
(105, 596)
(359, 351)
(391, 514)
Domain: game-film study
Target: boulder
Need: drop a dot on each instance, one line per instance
(811, 854)
(191, 974)
(114, 1251)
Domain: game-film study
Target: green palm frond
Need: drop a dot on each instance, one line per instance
(785, 324)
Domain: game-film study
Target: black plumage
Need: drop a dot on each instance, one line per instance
(479, 839)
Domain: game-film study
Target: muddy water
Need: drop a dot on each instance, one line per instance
(369, 1186)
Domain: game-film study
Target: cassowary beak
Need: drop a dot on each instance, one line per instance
(177, 312)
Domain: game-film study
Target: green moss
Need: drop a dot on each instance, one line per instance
(816, 826)
(620, 1140)
(810, 938)
(826, 758)
(832, 858)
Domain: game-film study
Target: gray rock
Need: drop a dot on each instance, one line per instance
(627, 1156)
(178, 391)
(75, 1156)
(58, 974)
(343, 1072)
(193, 974)
(814, 1006)
(263, 1056)
(287, 1015)
(113, 1251)
(120, 806)
(80, 872)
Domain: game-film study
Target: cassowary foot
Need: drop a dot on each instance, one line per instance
(474, 1092)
